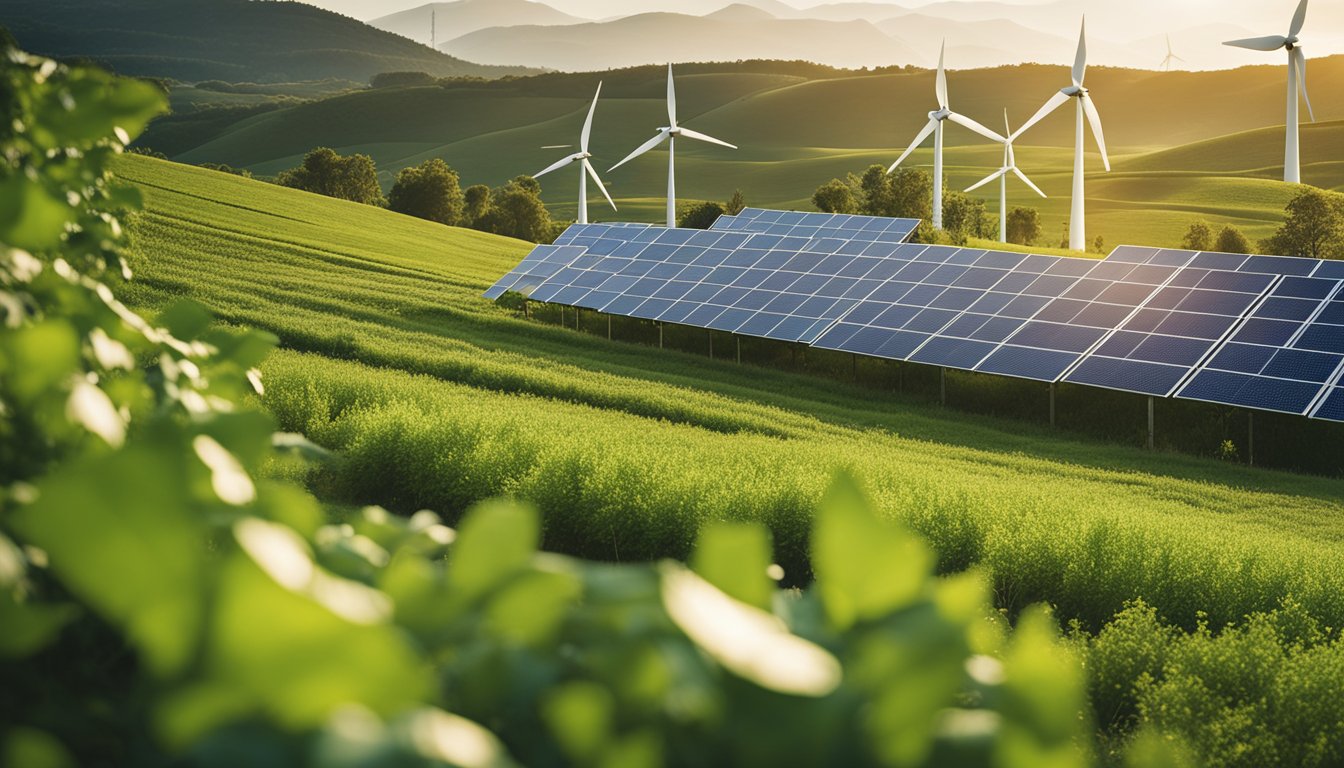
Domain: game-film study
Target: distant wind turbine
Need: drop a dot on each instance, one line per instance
(935, 127)
(1297, 82)
(1077, 220)
(670, 133)
(1009, 166)
(586, 168)
(1171, 56)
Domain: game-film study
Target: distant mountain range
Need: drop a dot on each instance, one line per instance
(230, 40)
(979, 33)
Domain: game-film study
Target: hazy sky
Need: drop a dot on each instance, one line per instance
(368, 9)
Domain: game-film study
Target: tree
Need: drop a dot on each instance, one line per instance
(1231, 240)
(401, 79)
(476, 204)
(835, 196)
(736, 204)
(1099, 245)
(353, 178)
(1024, 226)
(1199, 237)
(226, 168)
(516, 210)
(428, 191)
(963, 216)
(911, 194)
(700, 215)
(877, 196)
(1314, 227)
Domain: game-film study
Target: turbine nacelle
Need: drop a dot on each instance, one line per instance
(940, 114)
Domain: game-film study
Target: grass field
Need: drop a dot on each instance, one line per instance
(434, 397)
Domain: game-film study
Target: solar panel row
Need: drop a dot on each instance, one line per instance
(1262, 332)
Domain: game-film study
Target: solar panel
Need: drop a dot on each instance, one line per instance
(812, 225)
(1262, 332)
(1283, 355)
(539, 265)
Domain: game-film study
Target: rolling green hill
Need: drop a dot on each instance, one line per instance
(230, 40)
(799, 127)
(435, 397)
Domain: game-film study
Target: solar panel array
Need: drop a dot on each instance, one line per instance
(1263, 332)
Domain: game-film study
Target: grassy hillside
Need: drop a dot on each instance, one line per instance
(799, 127)
(231, 40)
(436, 397)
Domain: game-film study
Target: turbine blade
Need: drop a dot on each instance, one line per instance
(941, 86)
(1300, 64)
(588, 124)
(645, 147)
(1027, 181)
(587, 166)
(923, 134)
(1080, 61)
(1058, 100)
(1007, 128)
(671, 99)
(1270, 43)
(1095, 119)
(987, 179)
(556, 166)
(967, 122)
(1299, 19)
(688, 133)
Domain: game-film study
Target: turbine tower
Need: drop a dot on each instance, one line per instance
(1009, 166)
(935, 127)
(1297, 82)
(1085, 107)
(1171, 56)
(670, 133)
(586, 168)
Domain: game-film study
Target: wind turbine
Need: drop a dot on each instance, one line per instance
(670, 133)
(1171, 56)
(1009, 166)
(586, 168)
(1077, 220)
(935, 127)
(1297, 81)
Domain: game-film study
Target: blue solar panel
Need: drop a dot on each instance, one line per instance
(841, 227)
(1283, 355)
(541, 264)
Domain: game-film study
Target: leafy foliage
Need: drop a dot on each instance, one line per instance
(514, 210)
(700, 215)
(1231, 240)
(429, 191)
(1024, 226)
(835, 196)
(324, 172)
(1314, 227)
(1198, 238)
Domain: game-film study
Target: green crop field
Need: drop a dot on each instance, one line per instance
(1217, 162)
(434, 397)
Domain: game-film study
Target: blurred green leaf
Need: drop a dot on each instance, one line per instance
(1043, 696)
(30, 217)
(120, 533)
(495, 540)
(31, 748)
(866, 567)
(30, 627)
(581, 717)
(734, 557)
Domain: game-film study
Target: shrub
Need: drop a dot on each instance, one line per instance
(1231, 240)
(429, 191)
(700, 215)
(1199, 237)
(324, 172)
(1024, 226)
(835, 196)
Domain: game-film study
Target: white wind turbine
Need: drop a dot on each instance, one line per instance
(1297, 81)
(1171, 56)
(935, 127)
(586, 168)
(670, 133)
(1009, 166)
(1077, 219)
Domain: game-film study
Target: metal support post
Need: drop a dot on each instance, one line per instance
(526, 311)
(854, 363)
(1250, 439)
(942, 386)
(1052, 405)
(739, 350)
(711, 345)
(1152, 423)
(578, 318)
(660, 335)
(608, 327)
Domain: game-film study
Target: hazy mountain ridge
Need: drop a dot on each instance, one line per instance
(232, 40)
(979, 33)
(454, 19)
